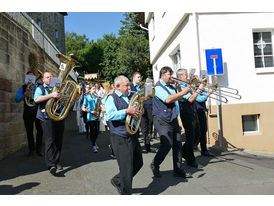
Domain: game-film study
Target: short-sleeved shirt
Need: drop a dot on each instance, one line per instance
(111, 110)
(38, 92)
(162, 94)
(90, 104)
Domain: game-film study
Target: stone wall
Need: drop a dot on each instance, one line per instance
(16, 44)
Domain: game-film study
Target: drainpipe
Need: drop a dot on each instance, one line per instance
(197, 39)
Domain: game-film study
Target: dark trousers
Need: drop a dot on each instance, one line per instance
(53, 134)
(130, 160)
(170, 137)
(29, 117)
(147, 123)
(201, 130)
(94, 131)
(189, 121)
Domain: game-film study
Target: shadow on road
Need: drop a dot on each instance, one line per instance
(76, 152)
(10, 190)
(158, 185)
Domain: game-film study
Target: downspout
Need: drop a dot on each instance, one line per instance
(197, 40)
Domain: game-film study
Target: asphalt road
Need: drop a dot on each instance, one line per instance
(231, 172)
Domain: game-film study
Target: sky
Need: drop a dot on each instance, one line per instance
(93, 24)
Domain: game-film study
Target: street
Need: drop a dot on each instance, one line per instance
(86, 173)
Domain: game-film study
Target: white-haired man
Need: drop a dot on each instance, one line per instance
(126, 147)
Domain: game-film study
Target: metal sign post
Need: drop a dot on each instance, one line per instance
(214, 62)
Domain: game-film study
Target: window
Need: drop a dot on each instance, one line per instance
(263, 51)
(250, 123)
(55, 19)
(176, 58)
(56, 34)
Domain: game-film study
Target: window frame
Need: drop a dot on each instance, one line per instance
(257, 122)
(263, 70)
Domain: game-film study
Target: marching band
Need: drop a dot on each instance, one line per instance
(95, 105)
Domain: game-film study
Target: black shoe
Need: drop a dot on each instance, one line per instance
(207, 154)
(59, 167)
(155, 170)
(52, 170)
(182, 173)
(116, 186)
(192, 164)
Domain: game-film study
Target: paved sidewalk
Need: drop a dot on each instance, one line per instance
(86, 173)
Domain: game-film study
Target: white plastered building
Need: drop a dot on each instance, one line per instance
(179, 40)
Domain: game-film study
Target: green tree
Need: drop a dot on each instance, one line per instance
(131, 26)
(76, 45)
(128, 53)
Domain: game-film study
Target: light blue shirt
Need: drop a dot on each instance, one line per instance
(202, 97)
(186, 97)
(163, 94)
(38, 92)
(90, 103)
(111, 110)
(137, 86)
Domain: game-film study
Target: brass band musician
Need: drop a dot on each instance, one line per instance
(126, 146)
(53, 130)
(29, 116)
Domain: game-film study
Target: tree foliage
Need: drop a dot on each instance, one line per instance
(112, 56)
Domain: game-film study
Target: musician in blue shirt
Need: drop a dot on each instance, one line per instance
(29, 116)
(189, 118)
(89, 106)
(83, 113)
(126, 147)
(165, 111)
(201, 128)
(52, 130)
(135, 85)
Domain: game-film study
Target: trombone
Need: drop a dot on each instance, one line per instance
(226, 91)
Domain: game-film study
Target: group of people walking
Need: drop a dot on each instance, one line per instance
(162, 111)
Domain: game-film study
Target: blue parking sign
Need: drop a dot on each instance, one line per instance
(214, 62)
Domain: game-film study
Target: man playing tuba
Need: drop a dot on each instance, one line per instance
(53, 130)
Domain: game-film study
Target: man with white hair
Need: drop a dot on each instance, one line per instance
(126, 147)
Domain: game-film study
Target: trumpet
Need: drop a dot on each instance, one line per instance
(226, 91)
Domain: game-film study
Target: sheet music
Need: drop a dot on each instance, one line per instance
(62, 66)
(148, 89)
(30, 79)
(55, 82)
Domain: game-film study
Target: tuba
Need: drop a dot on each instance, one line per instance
(57, 109)
(137, 100)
